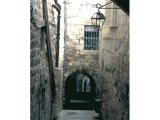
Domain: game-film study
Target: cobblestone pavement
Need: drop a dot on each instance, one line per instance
(78, 115)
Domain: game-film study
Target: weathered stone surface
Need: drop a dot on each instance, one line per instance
(41, 94)
(78, 115)
(59, 84)
(109, 66)
(114, 67)
(76, 56)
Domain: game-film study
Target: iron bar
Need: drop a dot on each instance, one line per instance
(109, 8)
(105, 4)
(99, 6)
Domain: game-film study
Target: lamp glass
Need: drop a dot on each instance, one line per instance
(98, 19)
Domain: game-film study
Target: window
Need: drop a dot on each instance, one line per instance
(91, 38)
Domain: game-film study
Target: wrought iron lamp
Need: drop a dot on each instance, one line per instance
(98, 18)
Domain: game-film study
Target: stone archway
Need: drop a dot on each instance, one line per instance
(79, 85)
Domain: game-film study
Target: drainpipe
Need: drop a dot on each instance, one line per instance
(48, 41)
(57, 4)
(49, 49)
(58, 8)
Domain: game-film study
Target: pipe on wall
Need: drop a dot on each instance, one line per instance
(49, 51)
(51, 70)
(56, 2)
(58, 8)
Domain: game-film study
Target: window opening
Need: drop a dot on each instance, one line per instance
(91, 38)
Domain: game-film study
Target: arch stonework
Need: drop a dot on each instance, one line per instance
(79, 85)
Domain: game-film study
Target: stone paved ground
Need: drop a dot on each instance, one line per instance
(78, 115)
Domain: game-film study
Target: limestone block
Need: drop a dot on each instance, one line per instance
(58, 74)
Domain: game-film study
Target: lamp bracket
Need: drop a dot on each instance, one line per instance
(99, 6)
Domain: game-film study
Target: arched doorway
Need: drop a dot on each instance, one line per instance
(79, 85)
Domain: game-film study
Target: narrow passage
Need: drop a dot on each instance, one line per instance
(78, 115)
(79, 110)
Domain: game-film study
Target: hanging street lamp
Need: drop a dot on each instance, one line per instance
(98, 18)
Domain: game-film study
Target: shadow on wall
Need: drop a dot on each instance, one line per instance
(79, 85)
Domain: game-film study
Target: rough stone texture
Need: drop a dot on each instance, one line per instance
(59, 84)
(76, 18)
(35, 71)
(78, 115)
(109, 65)
(40, 84)
(114, 66)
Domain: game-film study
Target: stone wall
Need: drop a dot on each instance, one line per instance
(59, 88)
(41, 94)
(114, 65)
(78, 14)
(35, 72)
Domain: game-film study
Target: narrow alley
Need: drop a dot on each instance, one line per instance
(79, 110)
(79, 55)
(78, 115)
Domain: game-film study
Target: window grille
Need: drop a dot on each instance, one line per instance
(91, 38)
